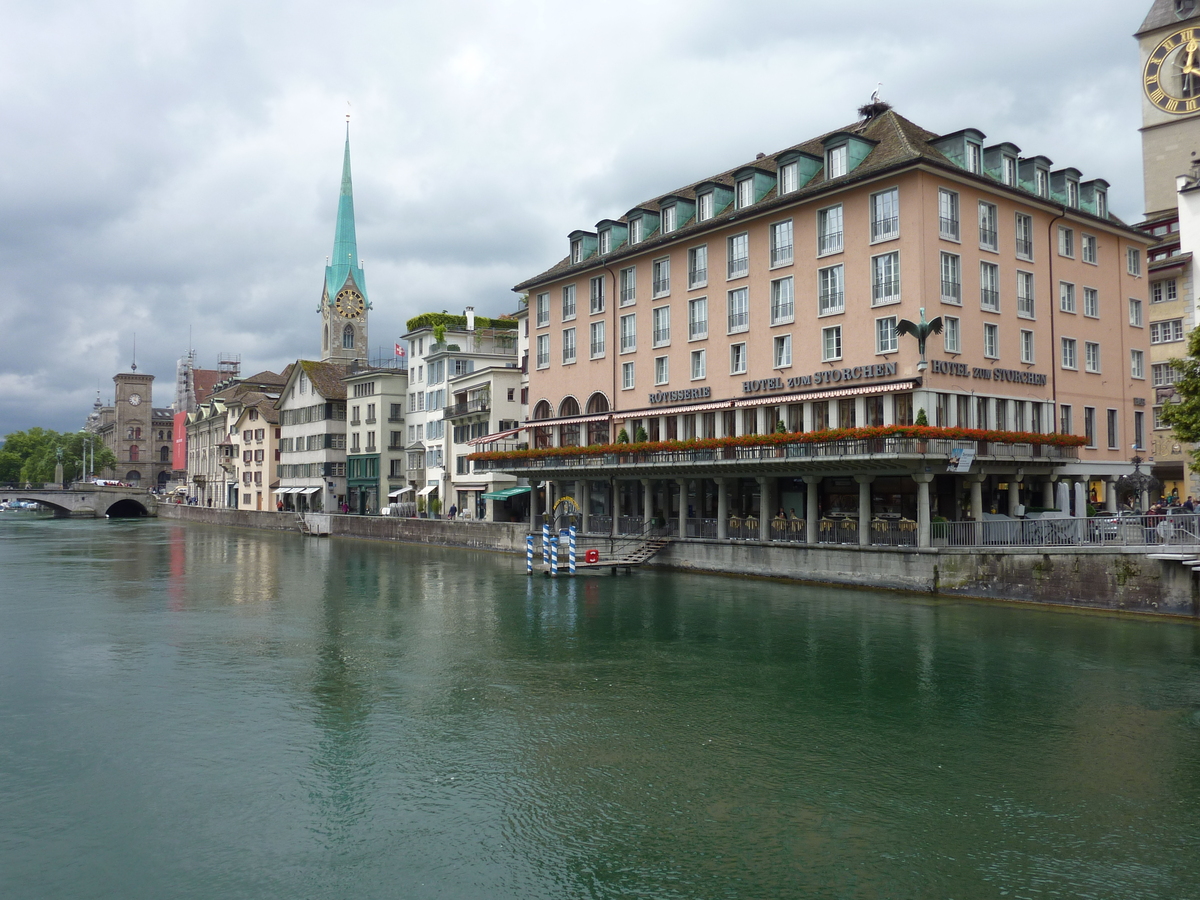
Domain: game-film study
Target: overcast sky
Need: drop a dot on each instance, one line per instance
(173, 166)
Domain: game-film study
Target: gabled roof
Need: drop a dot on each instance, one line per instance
(325, 377)
(1162, 14)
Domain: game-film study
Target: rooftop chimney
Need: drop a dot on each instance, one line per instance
(470, 313)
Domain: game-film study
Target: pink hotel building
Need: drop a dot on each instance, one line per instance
(768, 298)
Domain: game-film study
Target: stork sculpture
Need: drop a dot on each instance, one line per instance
(921, 331)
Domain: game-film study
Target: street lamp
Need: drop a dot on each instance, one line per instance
(1139, 482)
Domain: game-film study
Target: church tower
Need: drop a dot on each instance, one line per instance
(1169, 41)
(344, 303)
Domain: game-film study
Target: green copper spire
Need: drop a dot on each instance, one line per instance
(345, 265)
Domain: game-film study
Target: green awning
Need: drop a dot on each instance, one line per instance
(506, 493)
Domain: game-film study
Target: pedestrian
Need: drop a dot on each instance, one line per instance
(453, 510)
(1189, 504)
(279, 504)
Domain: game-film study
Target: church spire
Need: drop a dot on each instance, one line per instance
(345, 264)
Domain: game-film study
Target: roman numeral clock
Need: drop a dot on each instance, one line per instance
(1172, 73)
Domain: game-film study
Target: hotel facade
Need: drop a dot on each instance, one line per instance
(775, 297)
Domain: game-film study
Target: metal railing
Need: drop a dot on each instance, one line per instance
(1109, 530)
(948, 227)
(952, 291)
(630, 525)
(814, 451)
(885, 227)
(830, 243)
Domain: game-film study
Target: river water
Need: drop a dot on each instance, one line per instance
(195, 712)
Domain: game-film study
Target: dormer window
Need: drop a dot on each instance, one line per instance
(836, 161)
(745, 193)
(606, 241)
(1073, 194)
(576, 251)
(788, 178)
(1009, 172)
(635, 230)
(669, 219)
(1102, 204)
(704, 207)
(1042, 183)
(974, 158)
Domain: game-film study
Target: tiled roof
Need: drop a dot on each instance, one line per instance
(326, 378)
(1162, 14)
(898, 142)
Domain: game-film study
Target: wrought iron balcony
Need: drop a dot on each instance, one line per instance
(482, 404)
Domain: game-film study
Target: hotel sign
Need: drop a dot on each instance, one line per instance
(962, 370)
(826, 376)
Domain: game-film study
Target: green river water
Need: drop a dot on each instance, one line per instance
(195, 712)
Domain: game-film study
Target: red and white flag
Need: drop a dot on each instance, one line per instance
(399, 350)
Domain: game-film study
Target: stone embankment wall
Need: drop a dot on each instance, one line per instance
(1117, 579)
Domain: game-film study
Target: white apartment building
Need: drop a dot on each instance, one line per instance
(375, 460)
(312, 443)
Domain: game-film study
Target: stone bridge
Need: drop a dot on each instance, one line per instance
(87, 500)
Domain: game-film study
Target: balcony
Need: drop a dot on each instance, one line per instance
(481, 404)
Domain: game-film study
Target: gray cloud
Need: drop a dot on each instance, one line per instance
(175, 166)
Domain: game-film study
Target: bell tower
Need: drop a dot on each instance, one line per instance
(1169, 42)
(344, 304)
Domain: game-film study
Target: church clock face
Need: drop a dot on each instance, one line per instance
(1172, 74)
(349, 304)
(135, 399)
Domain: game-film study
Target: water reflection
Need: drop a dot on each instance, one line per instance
(380, 720)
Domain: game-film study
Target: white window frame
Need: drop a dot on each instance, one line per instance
(837, 161)
(783, 301)
(782, 351)
(694, 254)
(989, 238)
(695, 332)
(1136, 318)
(628, 327)
(670, 219)
(880, 284)
(991, 340)
(1024, 236)
(597, 343)
(568, 302)
(951, 265)
(949, 218)
(890, 199)
(543, 351)
(596, 295)
(831, 302)
(705, 204)
(886, 339)
(1026, 295)
(541, 310)
(989, 284)
(1069, 354)
(737, 266)
(782, 253)
(952, 334)
(605, 241)
(830, 241)
(1066, 242)
(789, 177)
(1133, 261)
(1066, 297)
(627, 279)
(1028, 346)
(744, 192)
(831, 343)
(636, 231)
(1091, 303)
(1088, 251)
(699, 364)
(569, 348)
(662, 370)
(1091, 356)
(660, 326)
(660, 277)
(737, 358)
(627, 376)
(737, 310)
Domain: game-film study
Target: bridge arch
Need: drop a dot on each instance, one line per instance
(126, 508)
(58, 509)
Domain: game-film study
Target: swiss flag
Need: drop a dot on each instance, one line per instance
(399, 350)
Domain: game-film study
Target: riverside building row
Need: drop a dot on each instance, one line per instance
(770, 297)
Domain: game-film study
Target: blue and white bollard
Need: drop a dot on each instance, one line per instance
(546, 543)
(554, 557)
(529, 554)
(571, 549)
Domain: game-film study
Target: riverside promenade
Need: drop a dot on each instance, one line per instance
(1118, 578)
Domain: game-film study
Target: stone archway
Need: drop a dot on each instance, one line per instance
(126, 509)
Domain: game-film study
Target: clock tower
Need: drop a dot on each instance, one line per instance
(1169, 40)
(344, 304)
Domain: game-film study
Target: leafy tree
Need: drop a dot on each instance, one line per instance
(31, 456)
(921, 419)
(622, 436)
(641, 437)
(1184, 415)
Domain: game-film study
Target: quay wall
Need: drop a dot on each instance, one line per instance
(1118, 578)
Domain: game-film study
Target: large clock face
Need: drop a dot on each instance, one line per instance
(349, 303)
(1172, 74)
(135, 399)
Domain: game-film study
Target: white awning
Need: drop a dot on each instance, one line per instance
(545, 423)
(307, 490)
(401, 492)
(469, 487)
(426, 491)
(778, 399)
(625, 415)
(282, 491)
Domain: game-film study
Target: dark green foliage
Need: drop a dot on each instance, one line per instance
(31, 456)
(446, 320)
(1184, 415)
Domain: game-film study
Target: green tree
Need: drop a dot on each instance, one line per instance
(1184, 415)
(31, 456)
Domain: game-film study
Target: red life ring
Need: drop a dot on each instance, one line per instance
(592, 556)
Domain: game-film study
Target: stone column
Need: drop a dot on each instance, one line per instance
(976, 483)
(1014, 493)
(765, 508)
(533, 504)
(683, 516)
(1110, 495)
(722, 510)
(811, 483)
(614, 506)
(923, 479)
(864, 509)
(647, 503)
(1048, 491)
(583, 492)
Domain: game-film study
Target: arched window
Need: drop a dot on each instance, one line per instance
(348, 337)
(598, 432)
(325, 338)
(568, 432)
(541, 436)
(133, 476)
(164, 455)
(133, 453)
